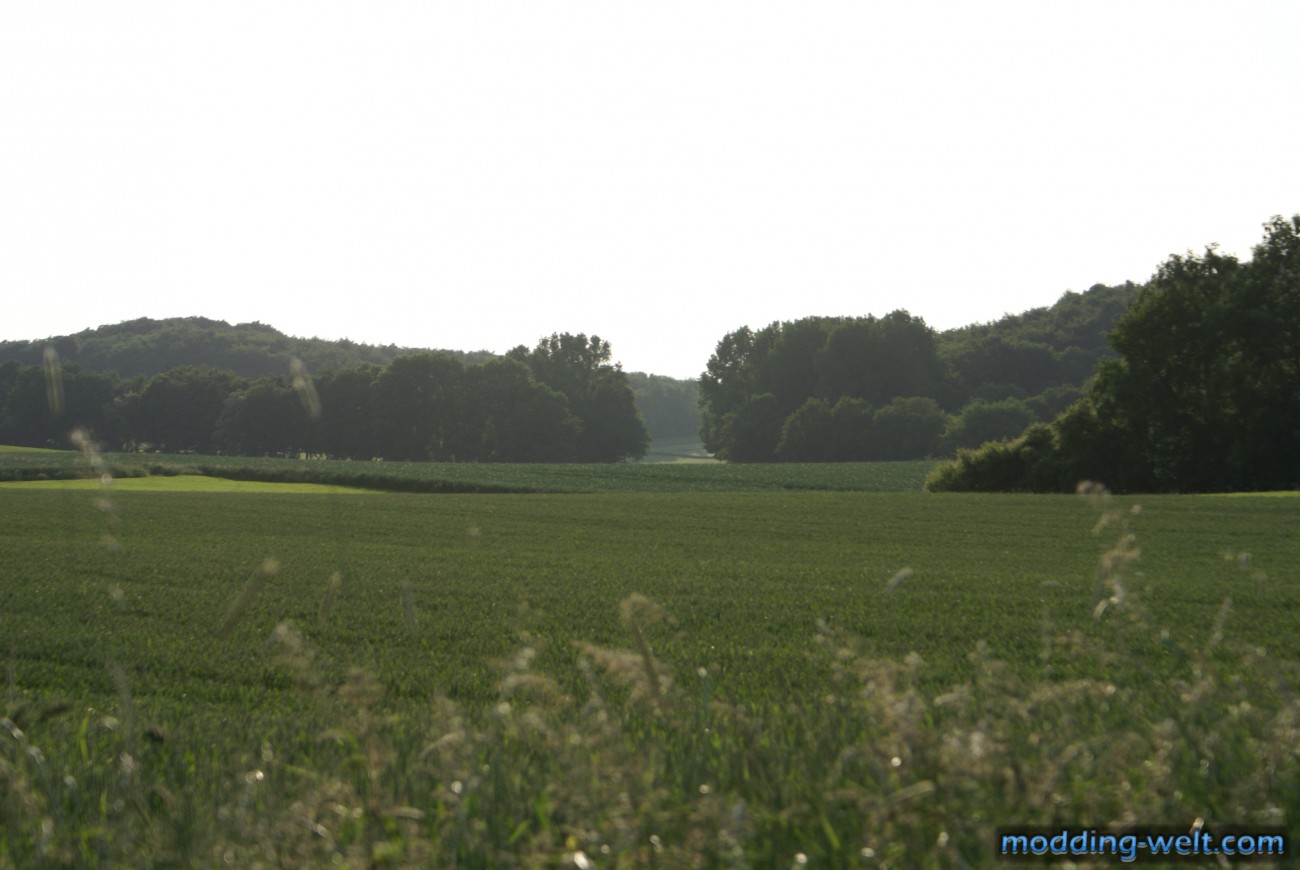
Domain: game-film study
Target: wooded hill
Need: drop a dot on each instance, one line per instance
(250, 350)
(869, 388)
(147, 347)
(1016, 358)
(1203, 394)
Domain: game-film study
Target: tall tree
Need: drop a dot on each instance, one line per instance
(346, 429)
(27, 417)
(1209, 376)
(580, 368)
(519, 419)
(727, 383)
(867, 359)
(1205, 394)
(419, 404)
(265, 419)
(178, 409)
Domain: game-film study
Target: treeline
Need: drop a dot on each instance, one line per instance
(868, 388)
(148, 347)
(563, 400)
(1204, 395)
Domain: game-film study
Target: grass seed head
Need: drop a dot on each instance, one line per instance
(305, 387)
(53, 381)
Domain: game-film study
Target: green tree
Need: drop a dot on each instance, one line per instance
(1208, 380)
(790, 368)
(419, 403)
(829, 358)
(879, 359)
(754, 431)
(177, 411)
(808, 434)
(726, 384)
(1205, 393)
(852, 422)
(981, 421)
(907, 428)
(265, 419)
(27, 419)
(580, 368)
(346, 428)
(518, 419)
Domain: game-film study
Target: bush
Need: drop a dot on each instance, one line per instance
(1030, 463)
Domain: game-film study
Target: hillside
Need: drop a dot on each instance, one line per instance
(146, 348)
(866, 388)
(251, 350)
(1023, 354)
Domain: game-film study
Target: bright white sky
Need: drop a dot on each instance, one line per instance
(474, 175)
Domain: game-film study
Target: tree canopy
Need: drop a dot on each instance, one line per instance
(765, 395)
(423, 406)
(599, 396)
(146, 348)
(1204, 394)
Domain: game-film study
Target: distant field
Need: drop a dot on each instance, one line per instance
(178, 483)
(678, 450)
(683, 476)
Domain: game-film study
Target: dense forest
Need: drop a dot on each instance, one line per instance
(862, 388)
(250, 351)
(562, 400)
(1190, 382)
(1203, 395)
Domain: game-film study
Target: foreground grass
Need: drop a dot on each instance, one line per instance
(197, 678)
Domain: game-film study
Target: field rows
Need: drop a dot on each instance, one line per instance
(746, 577)
(249, 625)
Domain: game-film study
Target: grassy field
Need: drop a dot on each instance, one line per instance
(179, 483)
(769, 677)
(678, 450)
(684, 476)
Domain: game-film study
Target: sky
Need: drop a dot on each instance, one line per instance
(476, 175)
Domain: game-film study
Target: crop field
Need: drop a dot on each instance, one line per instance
(769, 676)
(181, 483)
(684, 476)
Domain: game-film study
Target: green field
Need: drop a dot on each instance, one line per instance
(474, 679)
(677, 450)
(683, 476)
(178, 483)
